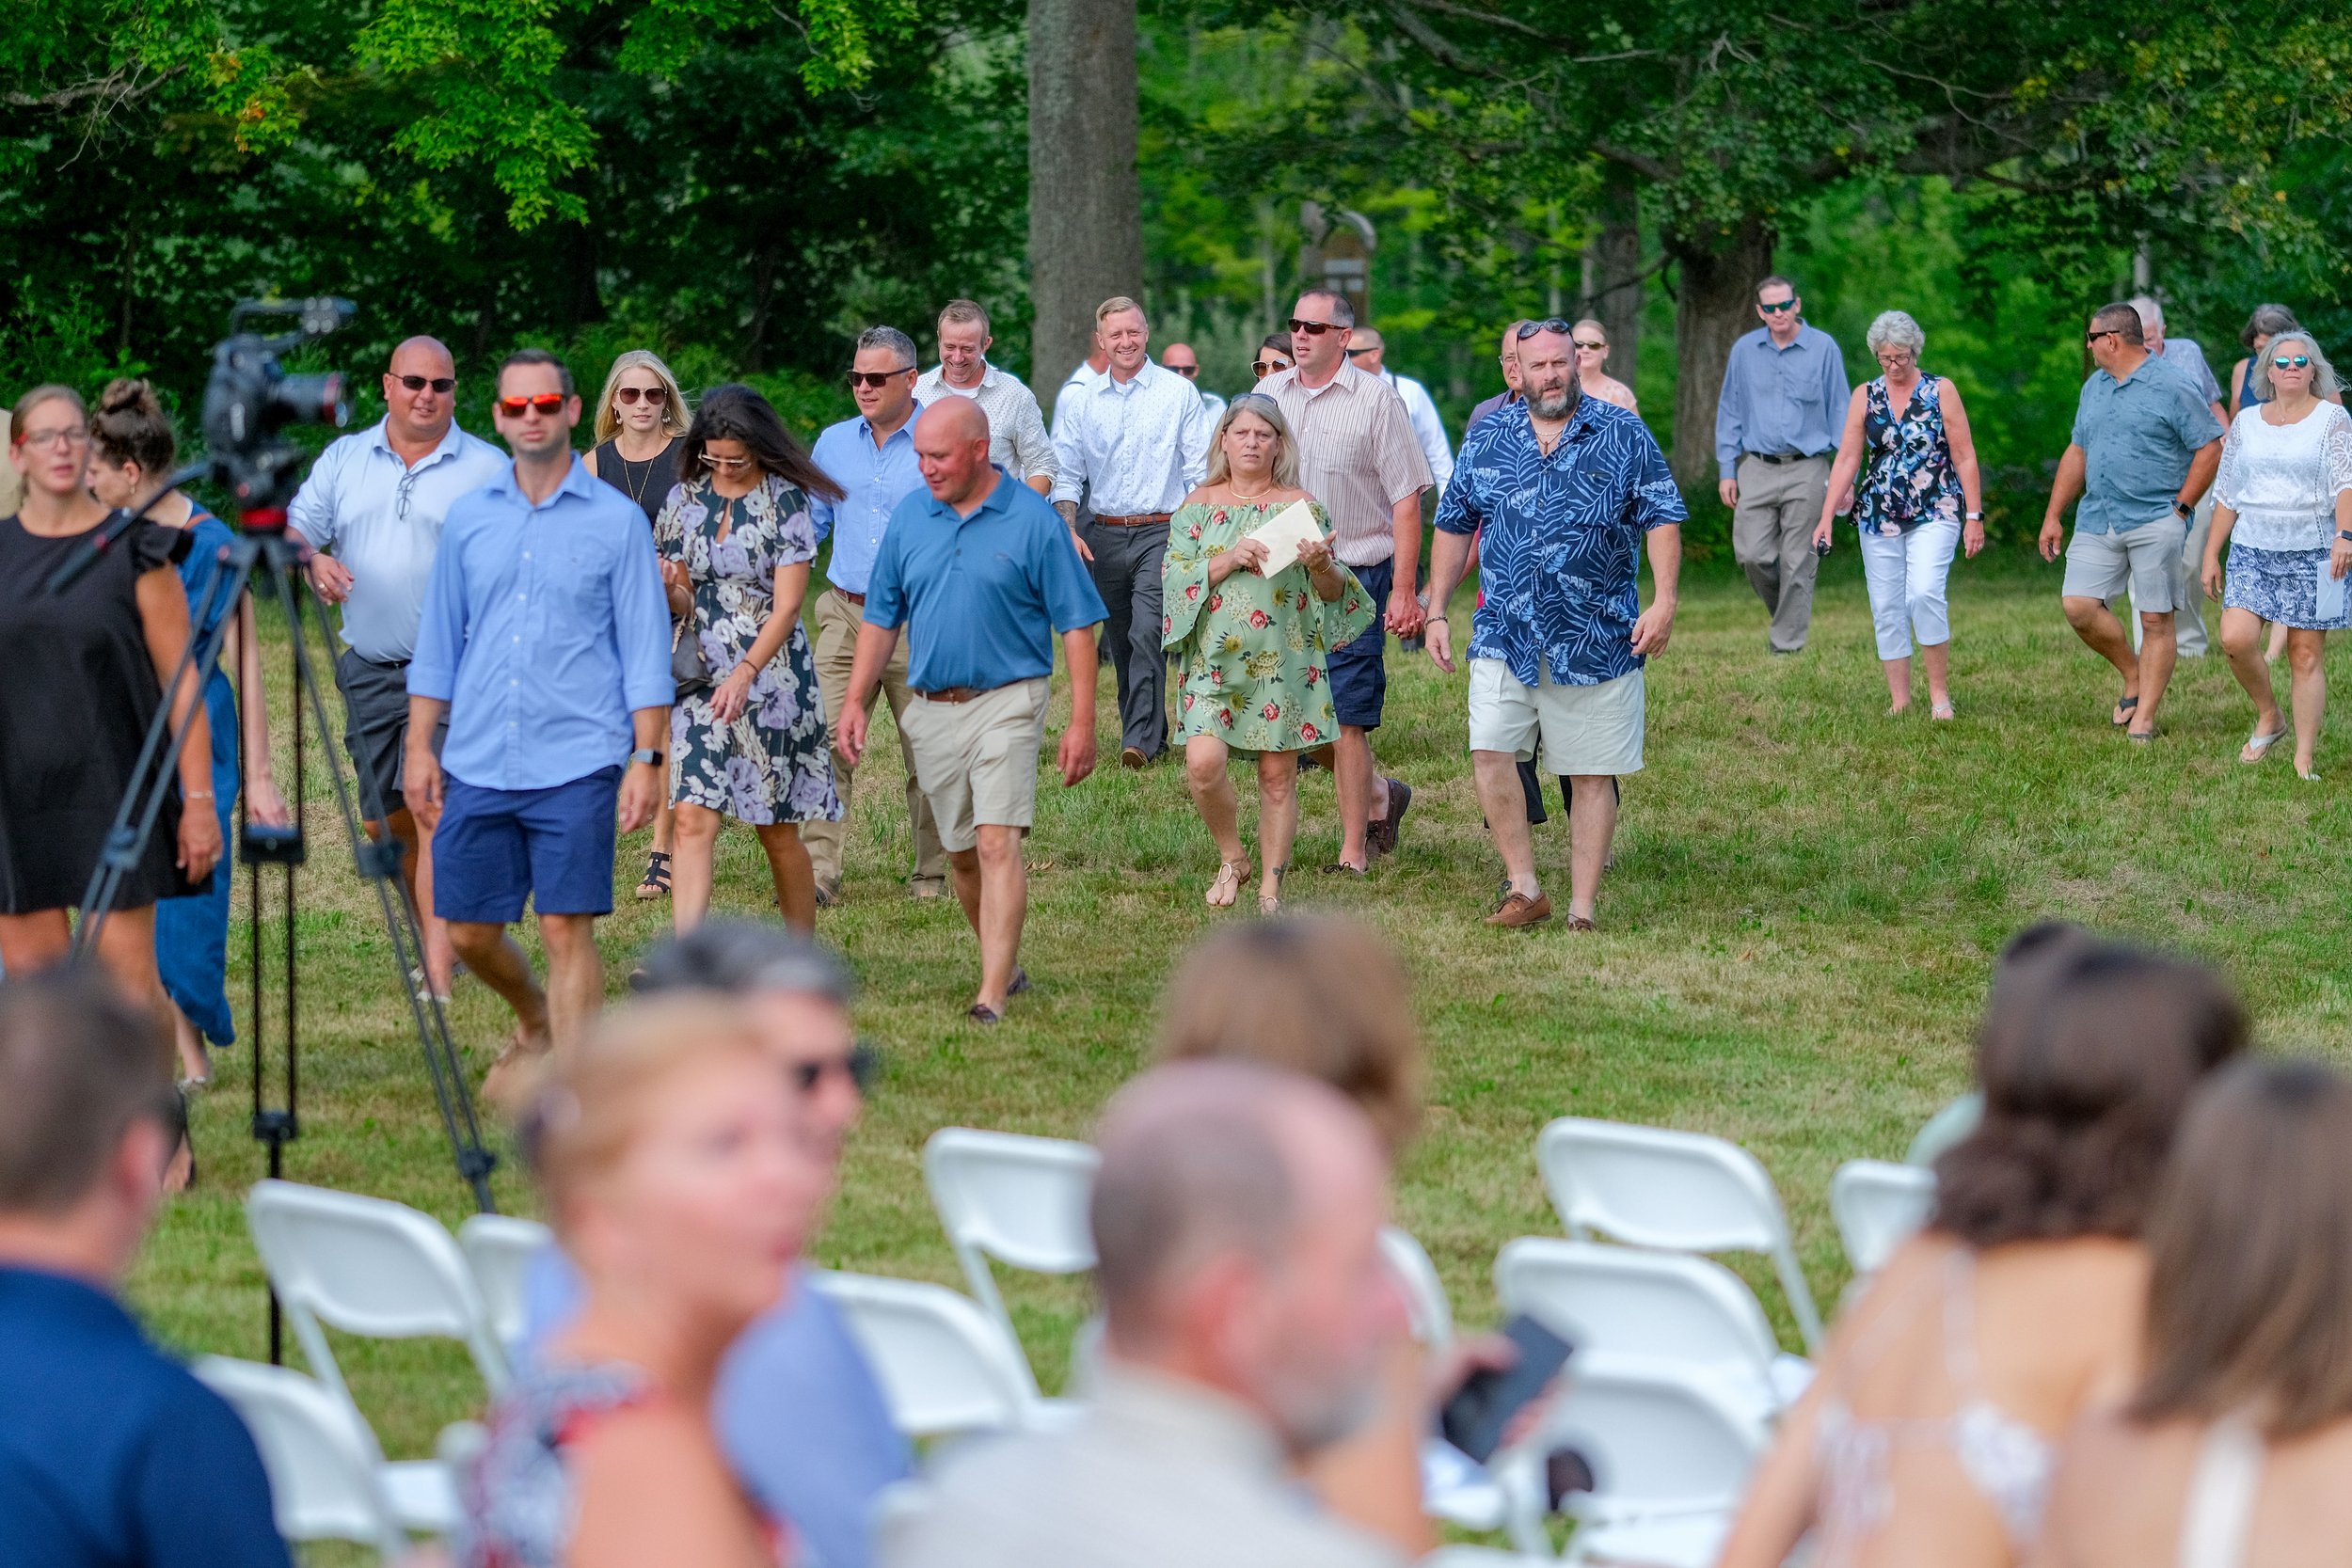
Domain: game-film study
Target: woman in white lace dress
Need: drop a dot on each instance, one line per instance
(2283, 508)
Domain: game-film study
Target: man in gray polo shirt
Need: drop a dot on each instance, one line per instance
(2145, 447)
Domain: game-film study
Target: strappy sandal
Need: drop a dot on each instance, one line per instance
(1226, 891)
(1272, 903)
(656, 882)
(1943, 713)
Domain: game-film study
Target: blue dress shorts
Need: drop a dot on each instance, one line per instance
(494, 848)
(1359, 669)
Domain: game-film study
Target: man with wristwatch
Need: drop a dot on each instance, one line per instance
(546, 640)
(2145, 449)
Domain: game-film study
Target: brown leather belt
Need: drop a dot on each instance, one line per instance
(956, 694)
(857, 599)
(1136, 519)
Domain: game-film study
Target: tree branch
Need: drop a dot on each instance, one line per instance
(114, 89)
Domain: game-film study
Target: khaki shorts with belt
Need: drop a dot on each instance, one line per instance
(975, 752)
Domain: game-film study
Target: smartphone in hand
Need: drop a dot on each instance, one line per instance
(1474, 1418)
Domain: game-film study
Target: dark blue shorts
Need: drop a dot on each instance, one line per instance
(1359, 670)
(494, 848)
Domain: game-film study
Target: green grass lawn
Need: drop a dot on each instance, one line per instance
(1794, 945)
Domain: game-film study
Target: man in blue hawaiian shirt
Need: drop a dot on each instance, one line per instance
(1563, 492)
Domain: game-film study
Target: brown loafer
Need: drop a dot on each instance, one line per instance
(1380, 837)
(1520, 910)
(1131, 756)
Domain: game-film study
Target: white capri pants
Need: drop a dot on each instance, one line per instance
(1906, 572)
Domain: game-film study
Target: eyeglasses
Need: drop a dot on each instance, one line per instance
(441, 385)
(42, 440)
(1549, 323)
(544, 403)
(1597, 348)
(1187, 372)
(877, 380)
(1313, 329)
(1776, 306)
(2291, 362)
(656, 396)
(1264, 368)
(863, 1065)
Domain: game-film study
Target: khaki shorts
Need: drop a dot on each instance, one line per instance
(978, 760)
(2098, 565)
(1586, 730)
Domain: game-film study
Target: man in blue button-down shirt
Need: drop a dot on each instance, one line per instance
(1776, 427)
(545, 639)
(872, 458)
(980, 572)
(1567, 490)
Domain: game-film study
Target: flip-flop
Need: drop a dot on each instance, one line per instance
(2125, 706)
(2140, 737)
(2259, 745)
(1942, 713)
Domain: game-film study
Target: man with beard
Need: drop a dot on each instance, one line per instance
(1567, 490)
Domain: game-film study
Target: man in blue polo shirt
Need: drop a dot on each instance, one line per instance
(2146, 446)
(109, 1452)
(545, 639)
(981, 573)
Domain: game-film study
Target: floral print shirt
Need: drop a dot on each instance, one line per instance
(1908, 477)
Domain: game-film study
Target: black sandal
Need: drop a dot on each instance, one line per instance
(2124, 705)
(656, 882)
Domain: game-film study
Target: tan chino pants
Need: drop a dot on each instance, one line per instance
(1772, 537)
(837, 623)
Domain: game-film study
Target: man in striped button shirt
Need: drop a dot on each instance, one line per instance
(1359, 457)
(1135, 442)
(1017, 441)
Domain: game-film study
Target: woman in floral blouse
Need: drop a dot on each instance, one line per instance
(1252, 647)
(736, 542)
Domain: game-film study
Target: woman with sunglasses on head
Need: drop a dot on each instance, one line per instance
(86, 671)
(1592, 366)
(2284, 507)
(736, 541)
(640, 421)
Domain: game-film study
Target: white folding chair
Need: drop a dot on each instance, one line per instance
(381, 1270)
(1671, 1455)
(945, 1366)
(1017, 1199)
(1877, 1206)
(1946, 1128)
(1679, 1192)
(324, 1469)
(1430, 1313)
(1633, 1306)
(498, 1249)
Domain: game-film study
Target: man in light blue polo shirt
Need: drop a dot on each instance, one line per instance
(872, 458)
(2145, 447)
(546, 640)
(981, 573)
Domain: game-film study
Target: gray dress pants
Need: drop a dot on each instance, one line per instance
(1772, 537)
(1127, 574)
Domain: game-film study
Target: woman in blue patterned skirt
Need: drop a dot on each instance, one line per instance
(2284, 507)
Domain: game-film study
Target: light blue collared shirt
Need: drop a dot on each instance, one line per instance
(381, 517)
(876, 480)
(2139, 437)
(544, 628)
(1780, 401)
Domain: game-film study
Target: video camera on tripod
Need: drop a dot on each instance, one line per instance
(251, 400)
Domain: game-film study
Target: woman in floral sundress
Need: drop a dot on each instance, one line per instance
(1252, 648)
(736, 542)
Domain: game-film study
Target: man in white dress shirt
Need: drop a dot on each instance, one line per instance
(1185, 362)
(1017, 441)
(1368, 351)
(1135, 440)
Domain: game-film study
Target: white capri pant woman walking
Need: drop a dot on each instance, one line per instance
(1906, 572)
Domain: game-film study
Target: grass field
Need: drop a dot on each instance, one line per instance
(1794, 944)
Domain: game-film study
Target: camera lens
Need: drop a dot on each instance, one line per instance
(309, 400)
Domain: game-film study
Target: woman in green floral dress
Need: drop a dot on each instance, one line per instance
(1251, 647)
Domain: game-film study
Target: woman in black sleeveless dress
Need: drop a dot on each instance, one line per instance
(85, 669)
(639, 421)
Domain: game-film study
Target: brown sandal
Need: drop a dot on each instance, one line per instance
(1228, 876)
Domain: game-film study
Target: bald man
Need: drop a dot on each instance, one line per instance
(1236, 1220)
(981, 573)
(373, 509)
(1181, 359)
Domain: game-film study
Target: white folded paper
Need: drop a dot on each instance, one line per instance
(1283, 533)
(2328, 598)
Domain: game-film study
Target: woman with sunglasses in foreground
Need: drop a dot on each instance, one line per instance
(2284, 506)
(736, 541)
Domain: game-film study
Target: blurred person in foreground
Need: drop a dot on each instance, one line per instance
(675, 1165)
(799, 1411)
(1236, 1220)
(1930, 1431)
(2233, 1450)
(110, 1452)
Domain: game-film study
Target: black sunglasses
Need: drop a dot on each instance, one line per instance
(1775, 308)
(2090, 337)
(1355, 353)
(1314, 330)
(1549, 323)
(862, 1064)
(1597, 348)
(878, 379)
(439, 383)
(1187, 372)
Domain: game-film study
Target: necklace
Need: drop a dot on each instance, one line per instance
(1239, 497)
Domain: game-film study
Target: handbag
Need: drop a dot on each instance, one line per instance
(687, 669)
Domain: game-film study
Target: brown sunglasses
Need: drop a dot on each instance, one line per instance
(651, 394)
(877, 380)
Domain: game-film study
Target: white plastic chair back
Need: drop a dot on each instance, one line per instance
(1018, 1199)
(498, 1249)
(1631, 1305)
(1877, 1206)
(1679, 1192)
(1946, 1128)
(323, 1465)
(945, 1366)
(1431, 1315)
(1671, 1455)
(369, 1267)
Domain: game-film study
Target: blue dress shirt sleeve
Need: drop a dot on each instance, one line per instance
(1731, 413)
(1192, 439)
(1071, 598)
(1070, 452)
(1835, 393)
(885, 595)
(311, 513)
(641, 619)
(441, 628)
(201, 1496)
(2192, 416)
(820, 509)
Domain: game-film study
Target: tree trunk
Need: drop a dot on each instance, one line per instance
(1714, 303)
(1612, 261)
(1085, 203)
